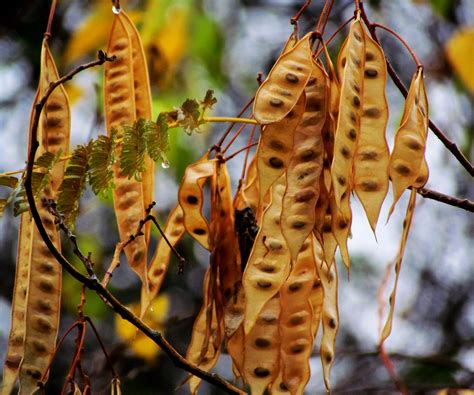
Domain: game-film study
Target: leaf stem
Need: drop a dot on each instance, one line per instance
(230, 119)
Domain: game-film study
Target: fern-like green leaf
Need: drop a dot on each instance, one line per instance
(132, 157)
(39, 180)
(189, 116)
(8, 181)
(3, 204)
(74, 183)
(156, 138)
(209, 100)
(100, 163)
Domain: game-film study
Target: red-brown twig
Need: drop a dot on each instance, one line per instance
(387, 362)
(244, 167)
(294, 19)
(47, 33)
(247, 147)
(234, 137)
(465, 204)
(91, 282)
(336, 32)
(450, 145)
(399, 38)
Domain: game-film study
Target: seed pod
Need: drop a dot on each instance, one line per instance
(190, 197)
(173, 230)
(330, 318)
(316, 296)
(410, 140)
(40, 278)
(350, 109)
(372, 156)
(269, 262)
(285, 83)
(225, 252)
(278, 386)
(423, 175)
(235, 348)
(143, 105)
(202, 350)
(15, 348)
(305, 167)
(296, 320)
(119, 103)
(43, 306)
(387, 329)
(249, 188)
(262, 348)
(341, 221)
(275, 149)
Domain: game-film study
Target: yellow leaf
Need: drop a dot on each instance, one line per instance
(459, 50)
(141, 345)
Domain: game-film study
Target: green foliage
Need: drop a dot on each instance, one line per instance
(157, 139)
(132, 156)
(100, 163)
(74, 183)
(39, 180)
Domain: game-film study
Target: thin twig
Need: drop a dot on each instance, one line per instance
(244, 167)
(465, 204)
(240, 150)
(294, 19)
(91, 282)
(450, 145)
(234, 137)
(47, 33)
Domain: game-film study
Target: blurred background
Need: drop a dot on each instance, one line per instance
(195, 45)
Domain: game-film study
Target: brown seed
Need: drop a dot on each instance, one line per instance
(297, 318)
(192, 199)
(357, 36)
(277, 145)
(371, 73)
(199, 231)
(46, 267)
(356, 101)
(295, 286)
(305, 195)
(43, 325)
(372, 112)
(345, 152)
(326, 227)
(283, 386)
(332, 323)
(13, 361)
(308, 155)
(276, 163)
(46, 285)
(343, 223)
(402, 169)
(34, 373)
(369, 56)
(276, 102)
(341, 180)
(368, 155)
(352, 134)
(353, 117)
(370, 186)
(262, 342)
(298, 225)
(261, 372)
(343, 62)
(297, 348)
(264, 284)
(290, 77)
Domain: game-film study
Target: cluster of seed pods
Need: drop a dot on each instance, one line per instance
(323, 139)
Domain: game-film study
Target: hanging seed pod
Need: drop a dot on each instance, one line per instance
(372, 156)
(387, 329)
(410, 140)
(262, 348)
(235, 348)
(316, 296)
(143, 106)
(190, 197)
(350, 110)
(201, 350)
(15, 350)
(296, 321)
(285, 83)
(305, 167)
(269, 262)
(42, 272)
(341, 221)
(275, 149)
(174, 231)
(120, 109)
(330, 318)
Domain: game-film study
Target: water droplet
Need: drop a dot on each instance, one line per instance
(165, 164)
(115, 10)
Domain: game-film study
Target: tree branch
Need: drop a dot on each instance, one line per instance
(91, 282)
(450, 145)
(465, 204)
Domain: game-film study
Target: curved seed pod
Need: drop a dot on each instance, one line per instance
(305, 167)
(42, 287)
(410, 140)
(262, 348)
(372, 156)
(174, 231)
(285, 83)
(350, 108)
(15, 348)
(398, 264)
(201, 350)
(296, 320)
(190, 197)
(269, 262)
(330, 317)
(249, 189)
(316, 296)
(423, 175)
(278, 386)
(119, 103)
(143, 106)
(55, 121)
(43, 306)
(275, 149)
(341, 221)
(225, 252)
(235, 348)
